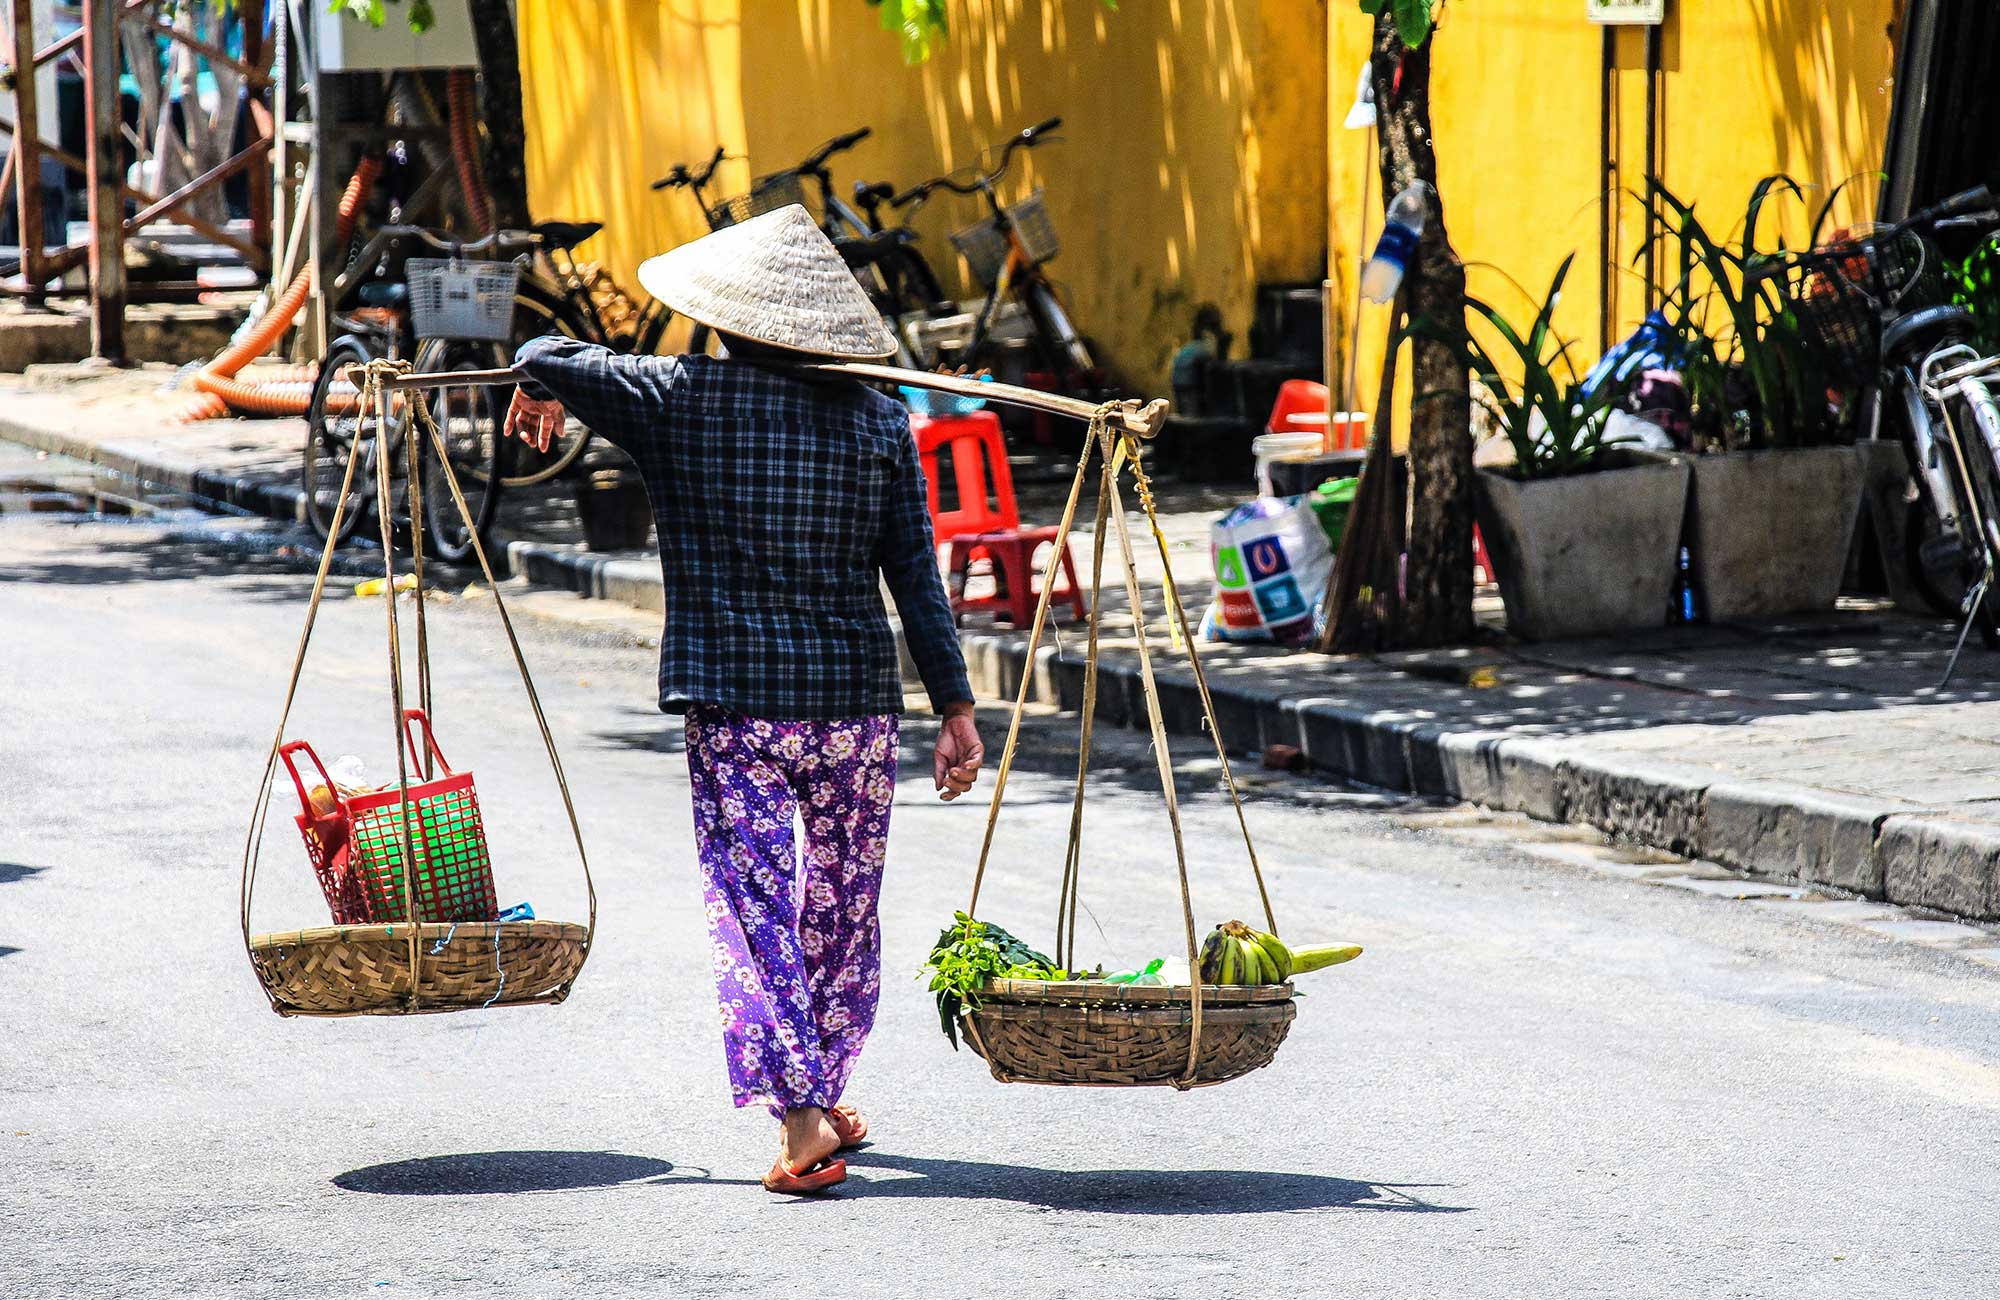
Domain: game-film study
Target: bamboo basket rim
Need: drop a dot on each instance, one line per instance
(539, 928)
(1015, 991)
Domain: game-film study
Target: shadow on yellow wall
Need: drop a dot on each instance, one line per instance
(1191, 163)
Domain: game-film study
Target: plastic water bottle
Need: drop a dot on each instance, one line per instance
(1398, 244)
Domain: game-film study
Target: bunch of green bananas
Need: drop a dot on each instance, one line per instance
(1236, 954)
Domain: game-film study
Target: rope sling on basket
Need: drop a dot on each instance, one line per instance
(1120, 1035)
(406, 870)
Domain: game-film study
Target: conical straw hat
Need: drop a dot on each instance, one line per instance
(776, 279)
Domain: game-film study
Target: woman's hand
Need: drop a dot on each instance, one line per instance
(955, 765)
(533, 422)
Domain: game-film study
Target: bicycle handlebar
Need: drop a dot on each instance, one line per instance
(680, 176)
(839, 144)
(1964, 203)
(445, 244)
(1025, 139)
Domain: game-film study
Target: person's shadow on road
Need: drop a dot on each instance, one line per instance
(1128, 1191)
(488, 1173)
(1105, 1191)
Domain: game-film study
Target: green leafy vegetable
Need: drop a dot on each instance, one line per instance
(969, 955)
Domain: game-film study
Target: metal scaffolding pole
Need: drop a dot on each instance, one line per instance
(101, 57)
(26, 151)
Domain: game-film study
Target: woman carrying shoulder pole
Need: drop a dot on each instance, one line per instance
(784, 501)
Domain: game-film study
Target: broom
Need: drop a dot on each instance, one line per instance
(1362, 606)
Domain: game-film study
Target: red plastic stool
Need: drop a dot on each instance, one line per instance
(985, 529)
(1010, 554)
(1482, 564)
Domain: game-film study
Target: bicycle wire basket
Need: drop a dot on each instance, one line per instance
(1842, 293)
(453, 299)
(984, 244)
(767, 194)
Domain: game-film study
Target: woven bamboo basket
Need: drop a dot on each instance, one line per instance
(364, 970)
(1112, 1036)
(417, 850)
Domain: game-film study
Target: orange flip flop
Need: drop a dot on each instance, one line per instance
(821, 1177)
(848, 1126)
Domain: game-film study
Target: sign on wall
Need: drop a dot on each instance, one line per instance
(1628, 13)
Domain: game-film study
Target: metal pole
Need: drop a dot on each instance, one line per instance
(251, 14)
(1653, 168)
(107, 203)
(1607, 201)
(27, 151)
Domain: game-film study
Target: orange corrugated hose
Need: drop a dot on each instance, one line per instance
(219, 391)
(464, 132)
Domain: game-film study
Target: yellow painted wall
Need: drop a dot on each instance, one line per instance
(1751, 87)
(1192, 164)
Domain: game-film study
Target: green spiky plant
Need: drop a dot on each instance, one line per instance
(1754, 375)
(1531, 374)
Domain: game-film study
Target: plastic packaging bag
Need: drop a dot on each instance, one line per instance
(1272, 562)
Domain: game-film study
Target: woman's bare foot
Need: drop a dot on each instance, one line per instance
(806, 1138)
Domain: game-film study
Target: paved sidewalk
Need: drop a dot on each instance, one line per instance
(1816, 748)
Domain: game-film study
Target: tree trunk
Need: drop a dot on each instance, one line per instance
(1437, 606)
(503, 144)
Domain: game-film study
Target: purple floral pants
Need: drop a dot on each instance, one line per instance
(797, 945)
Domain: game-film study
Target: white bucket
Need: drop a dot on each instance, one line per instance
(1268, 447)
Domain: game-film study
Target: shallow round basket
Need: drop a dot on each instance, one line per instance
(1116, 1036)
(364, 970)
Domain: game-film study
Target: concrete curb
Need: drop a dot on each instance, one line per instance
(600, 577)
(280, 501)
(1876, 847)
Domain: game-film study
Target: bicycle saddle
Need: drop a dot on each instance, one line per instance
(566, 234)
(383, 293)
(866, 250)
(1920, 330)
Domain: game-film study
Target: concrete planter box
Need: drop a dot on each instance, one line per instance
(1769, 530)
(1586, 554)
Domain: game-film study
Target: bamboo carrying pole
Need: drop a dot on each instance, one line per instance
(1143, 419)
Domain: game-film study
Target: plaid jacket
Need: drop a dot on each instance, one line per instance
(779, 500)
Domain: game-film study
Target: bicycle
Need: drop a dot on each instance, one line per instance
(469, 417)
(1880, 311)
(1006, 252)
(557, 297)
(883, 258)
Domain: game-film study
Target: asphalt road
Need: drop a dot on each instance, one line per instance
(1537, 1081)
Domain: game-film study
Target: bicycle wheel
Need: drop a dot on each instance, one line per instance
(468, 418)
(913, 284)
(538, 313)
(1059, 338)
(333, 416)
(1978, 429)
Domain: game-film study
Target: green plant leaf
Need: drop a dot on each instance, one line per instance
(1532, 390)
(1826, 208)
(1414, 19)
